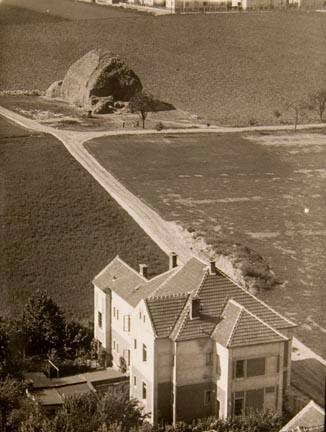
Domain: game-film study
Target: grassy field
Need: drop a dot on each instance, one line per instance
(59, 228)
(235, 189)
(231, 68)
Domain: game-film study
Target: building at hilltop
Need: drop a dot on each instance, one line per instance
(195, 343)
(181, 6)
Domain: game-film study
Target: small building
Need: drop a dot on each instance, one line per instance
(51, 393)
(194, 342)
(310, 418)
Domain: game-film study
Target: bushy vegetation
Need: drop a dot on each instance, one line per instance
(183, 59)
(111, 413)
(42, 333)
(59, 227)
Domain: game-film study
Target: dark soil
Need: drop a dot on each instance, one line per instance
(231, 68)
(59, 228)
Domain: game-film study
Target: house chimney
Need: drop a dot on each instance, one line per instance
(143, 270)
(173, 260)
(212, 267)
(195, 308)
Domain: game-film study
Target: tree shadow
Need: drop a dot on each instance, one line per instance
(159, 105)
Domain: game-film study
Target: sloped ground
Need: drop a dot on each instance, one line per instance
(59, 228)
(229, 67)
(229, 188)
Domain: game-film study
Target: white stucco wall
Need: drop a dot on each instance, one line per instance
(142, 331)
(271, 378)
(102, 305)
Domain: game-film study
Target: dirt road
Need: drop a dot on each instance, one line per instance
(166, 234)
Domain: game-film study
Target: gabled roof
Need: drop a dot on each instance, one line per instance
(127, 283)
(185, 280)
(164, 311)
(239, 327)
(168, 298)
(310, 418)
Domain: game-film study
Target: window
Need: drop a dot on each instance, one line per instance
(126, 323)
(135, 343)
(270, 389)
(114, 311)
(249, 368)
(239, 369)
(144, 391)
(238, 405)
(209, 358)
(99, 319)
(208, 397)
(144, 318)
(135, 381)
(117, 314)
(139, 314)
(256, 367)
(278, 364)
(117, 347)
(128, 357)
(255, 399)
(114, 344)
(144, 353)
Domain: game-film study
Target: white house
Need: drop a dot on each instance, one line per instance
(194, 342)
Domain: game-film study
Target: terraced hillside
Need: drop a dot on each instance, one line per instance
(232, 68)
(59, 228)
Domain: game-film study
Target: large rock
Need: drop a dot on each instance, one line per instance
(99, 73)
(54, 91)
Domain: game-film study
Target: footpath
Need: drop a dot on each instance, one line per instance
(166, 234)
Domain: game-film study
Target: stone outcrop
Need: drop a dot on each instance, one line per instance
(54, 91)
(98, 74)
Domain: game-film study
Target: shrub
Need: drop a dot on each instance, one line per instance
(159, 126)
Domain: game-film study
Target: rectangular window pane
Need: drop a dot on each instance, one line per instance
(135, 343)
(238, 407)
(128, 357)
(208, 397)
(144, 391)
(144, 353)
(239, 369)
(99, 319)
(255, 399)
(256, 367)
(135, 380)
(270, 389)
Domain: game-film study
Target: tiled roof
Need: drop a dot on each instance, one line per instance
(223, 330)
(166, 299)
(186, 279)
(164, 312)
(217, 289)
(127, 283)
(247, 328)
(310, 418)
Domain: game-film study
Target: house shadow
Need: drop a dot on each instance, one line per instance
(308, 377)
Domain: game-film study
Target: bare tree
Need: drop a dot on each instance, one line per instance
(317, 102)
(142, 103)
(297, 106)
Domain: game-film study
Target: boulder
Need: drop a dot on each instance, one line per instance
(54, 91)
(99, 74)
